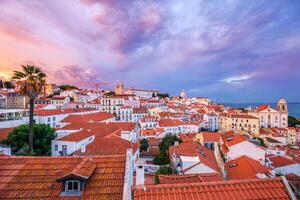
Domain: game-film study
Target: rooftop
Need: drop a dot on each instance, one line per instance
(268, 189)
(37, 177)
(244, 168)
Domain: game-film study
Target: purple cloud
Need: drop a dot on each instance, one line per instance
(230, 50)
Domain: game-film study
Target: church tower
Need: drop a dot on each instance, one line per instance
(119, 89)
(282, 105)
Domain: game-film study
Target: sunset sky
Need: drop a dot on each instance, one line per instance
(230, 51)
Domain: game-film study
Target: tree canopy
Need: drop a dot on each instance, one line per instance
(31, 80)
(67, 87)
(293, 121)
(43, 135)
(163, 157)
(6, 84)
(144, 145)
(163, 95)
(163, 170)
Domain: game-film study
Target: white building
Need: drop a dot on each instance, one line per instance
(146, 94)
(234, 146)
(191, 158)
(148, 122)
(270, 117)
(112, 104)
(53, 117)
(59, 101)
(210, 122)
(283, 166)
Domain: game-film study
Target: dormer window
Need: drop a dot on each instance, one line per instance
(74, 181)
(72, 186)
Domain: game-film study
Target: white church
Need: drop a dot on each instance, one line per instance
(270, 117)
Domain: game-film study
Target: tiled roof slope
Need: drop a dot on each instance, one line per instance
(244, 168)
(94, 117)
(112, 145)
(36, 177)
(4, 132)
(267, 189)
(76, 136)
(189, 178)
(63, 111)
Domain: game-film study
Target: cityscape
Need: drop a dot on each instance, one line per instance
(122, 100)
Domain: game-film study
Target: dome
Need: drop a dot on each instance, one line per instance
(182, 94)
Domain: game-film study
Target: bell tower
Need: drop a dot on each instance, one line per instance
(119, 89)
(282, 105)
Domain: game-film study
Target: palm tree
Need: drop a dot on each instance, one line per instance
(31, 81)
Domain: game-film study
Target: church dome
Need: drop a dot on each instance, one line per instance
(182, 94)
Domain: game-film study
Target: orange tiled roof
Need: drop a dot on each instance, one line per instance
(189, 178)
(244, 168)
(84, 169)
(77, 136)
(268, 189)
(36, 177)
(190, 148)
(280, 161)
(4, 133)
(230, 138)
(243, 116)
(169, 122)
(63, 111)
(262, 107)
(211, 136)
(95, 117)
(112, 145)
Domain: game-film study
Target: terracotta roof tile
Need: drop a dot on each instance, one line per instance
(77, 136)
(268, 189)
(189, 178)
(244, 168)
(35, 177)
(63, 111)
(280, 161)
(4, 133)
(211, 136)
(93, 117)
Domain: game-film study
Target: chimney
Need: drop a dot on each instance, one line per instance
(82, 148)
(140, 173)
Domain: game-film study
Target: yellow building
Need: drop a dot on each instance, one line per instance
(239, 122)
(119, 89)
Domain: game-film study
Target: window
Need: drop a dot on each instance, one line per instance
(53, 118)
(72, 186)
(56, 147)
(49, 119)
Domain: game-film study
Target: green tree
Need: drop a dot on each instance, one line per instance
(163, 157)
(163, 95)
(110, 93)
(163, 170)
(144, 145)
(6, 84)
(293, 121)
(168, 141)
(31, 81)
(43, 135)
(67, 87)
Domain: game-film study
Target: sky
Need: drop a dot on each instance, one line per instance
(228, 50)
